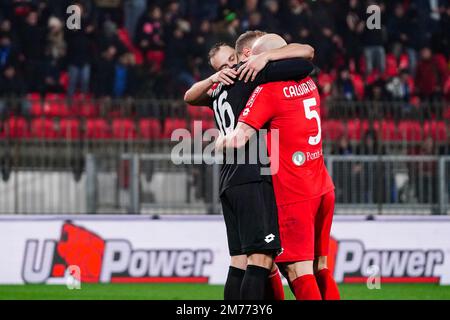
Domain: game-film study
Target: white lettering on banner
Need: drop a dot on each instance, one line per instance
(37, 269)
(119, 258)
(352, 259)
(195, 249)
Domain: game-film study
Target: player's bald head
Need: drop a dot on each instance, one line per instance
(268, 42)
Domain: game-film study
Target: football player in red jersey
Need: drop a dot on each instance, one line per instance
(221, 57)
(303, 188)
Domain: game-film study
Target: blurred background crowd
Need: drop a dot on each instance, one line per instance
(120, 78)
(139, 47)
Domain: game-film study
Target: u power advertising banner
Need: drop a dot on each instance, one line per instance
(124, 249)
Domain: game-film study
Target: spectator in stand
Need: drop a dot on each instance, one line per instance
(296, 18)
(8, 53)
(55, 52)
(430, 78)
(79, 50)
(402, 28)
(150, 34)
(32, 37)
(343, 86)
(182, 31)
(374, 40)
(376, 92)
(271, 17)
(176, 64)
(250, 8)
(255, 21)
(12, 92)
(172, 14)
(125, 83)
(400, 87)
(354, 27)
(133, 10)
(326, 41)
(105, 68)
(203, 41)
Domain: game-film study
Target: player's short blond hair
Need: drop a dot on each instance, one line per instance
(246, 40)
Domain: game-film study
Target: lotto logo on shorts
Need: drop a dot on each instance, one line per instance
(269, 238)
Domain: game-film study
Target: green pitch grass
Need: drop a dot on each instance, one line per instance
(206, 292)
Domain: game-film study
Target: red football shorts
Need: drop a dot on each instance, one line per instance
(305, 228)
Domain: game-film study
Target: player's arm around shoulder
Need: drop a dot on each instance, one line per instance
(200, 93)
(256, 63)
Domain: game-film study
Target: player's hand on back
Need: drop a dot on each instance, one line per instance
(252, 66)
(219, 145)
(224, 76)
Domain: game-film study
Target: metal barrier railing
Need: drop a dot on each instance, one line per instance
(45, 166)
(364, 185)
(391, 184)
(152, 184)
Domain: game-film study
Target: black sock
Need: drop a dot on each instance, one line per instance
(255, 283)
(233, 284)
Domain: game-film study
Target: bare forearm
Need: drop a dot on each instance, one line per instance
(239, 137)
(197, 95)
(292, 50)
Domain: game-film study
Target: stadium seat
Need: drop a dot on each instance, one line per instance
(43, 128)
(358, 84)
(56, 108)
(156, 57)
(354, 129)
(55, 97)
(172, 124)
(97, 129)
(410, 130)
(332, 129)
(81, 97)
(388, 131)
(149, 128)
(203, 125)
(447, 113)
(436, 129)
(123, 129)
(391, 65)
(200, 112)
(16, 128)
(70, 128)
(33, 96)
(86, 109)
(37, 107)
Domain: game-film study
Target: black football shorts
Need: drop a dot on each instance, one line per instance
(250, 214)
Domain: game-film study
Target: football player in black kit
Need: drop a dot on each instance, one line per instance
(247, 196)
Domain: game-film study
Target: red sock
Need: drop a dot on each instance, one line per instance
(275, 290)
(305, 288)
(327, 286)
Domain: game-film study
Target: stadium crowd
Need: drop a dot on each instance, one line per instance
(158, 48)
(408, 56)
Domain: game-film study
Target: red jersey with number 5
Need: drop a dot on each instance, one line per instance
(291, 110)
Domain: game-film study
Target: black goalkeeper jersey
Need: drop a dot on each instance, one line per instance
(228, 103)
